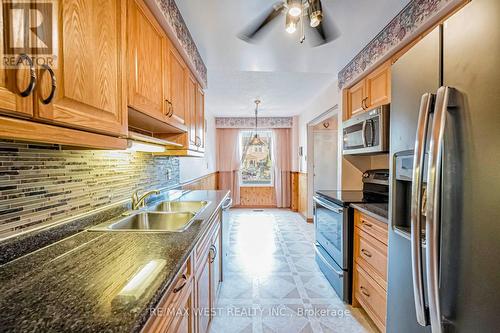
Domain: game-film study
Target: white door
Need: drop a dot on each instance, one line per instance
(325, 159)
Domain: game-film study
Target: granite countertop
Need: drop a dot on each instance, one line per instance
(71, 285)
(379, 211)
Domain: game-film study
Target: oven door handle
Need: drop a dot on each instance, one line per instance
(323, 259)
(328, 205)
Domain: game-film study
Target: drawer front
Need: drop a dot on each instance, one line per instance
(370, 251)
(370, 225)
(371, 296)
(164, 315)
(205, 242)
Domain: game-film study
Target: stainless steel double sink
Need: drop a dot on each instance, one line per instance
(166, 216)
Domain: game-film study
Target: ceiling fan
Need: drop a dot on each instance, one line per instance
(299, 14)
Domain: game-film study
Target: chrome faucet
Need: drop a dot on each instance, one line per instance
(138, 201)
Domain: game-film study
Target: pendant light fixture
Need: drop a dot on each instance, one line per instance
(256, 140)
(315, 13)
(291, 23)
(294, 7)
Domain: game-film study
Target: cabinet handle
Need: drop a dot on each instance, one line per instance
(31, 85)
(366, 253)
(54, 85)
(363, 103)
(364, 291)
(366, 224)
(179, 288)
(170, 111)
(213, 250)
(197, 141)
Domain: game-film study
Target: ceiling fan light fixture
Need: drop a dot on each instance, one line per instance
(291, 24)
(315, 13)
(294, 7)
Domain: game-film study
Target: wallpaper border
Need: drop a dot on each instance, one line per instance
(249, 122)
(412, 20)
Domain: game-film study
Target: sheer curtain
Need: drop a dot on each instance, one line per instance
(229, 161)
(282, 155)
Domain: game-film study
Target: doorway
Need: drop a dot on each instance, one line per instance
(325, 163)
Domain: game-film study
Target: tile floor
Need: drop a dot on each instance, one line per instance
(272, 283)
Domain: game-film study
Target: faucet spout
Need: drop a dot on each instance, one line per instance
(139, 201)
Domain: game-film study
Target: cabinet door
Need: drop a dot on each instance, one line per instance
(88, 81)
(177, 76)
(378, 86)
(355, 97)
(184, 323)
(14, 81)
(192, 93)
(216, 265)
(146, 47)
(200, 116)
(203, 293)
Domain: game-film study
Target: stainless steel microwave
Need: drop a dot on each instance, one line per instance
(367, 133)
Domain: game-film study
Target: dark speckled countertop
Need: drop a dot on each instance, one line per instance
(378, 211)
(70, 285)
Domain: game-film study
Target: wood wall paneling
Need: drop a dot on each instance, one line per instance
(208, 182)
(302, 194)
(257, 197)
(295, 191)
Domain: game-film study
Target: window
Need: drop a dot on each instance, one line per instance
(256, 164)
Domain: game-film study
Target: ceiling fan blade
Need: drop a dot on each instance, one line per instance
(326, 31)
(253, 29)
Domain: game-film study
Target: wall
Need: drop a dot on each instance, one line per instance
(324, 101)
(195, 167)
(40, 184)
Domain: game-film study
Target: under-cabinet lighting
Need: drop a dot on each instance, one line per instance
(142, 280)
(145, 147)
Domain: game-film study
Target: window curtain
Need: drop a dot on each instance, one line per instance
(229, 161)
(282, 157)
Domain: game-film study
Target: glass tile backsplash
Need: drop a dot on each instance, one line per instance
(40, 183)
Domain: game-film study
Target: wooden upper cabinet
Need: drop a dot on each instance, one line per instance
(146, 47)
(88, 81)
(200, 116)
(355, 98)
(177, 76)
(378, 86)
(192, 94)
(14, 82)
(372, 91)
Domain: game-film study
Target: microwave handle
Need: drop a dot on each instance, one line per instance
(363, 134)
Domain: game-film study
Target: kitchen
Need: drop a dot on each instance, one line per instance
(157, 170)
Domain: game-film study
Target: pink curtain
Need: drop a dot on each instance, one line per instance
(228, 161)
(282, 153)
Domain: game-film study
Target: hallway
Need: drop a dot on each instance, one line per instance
(272, 283)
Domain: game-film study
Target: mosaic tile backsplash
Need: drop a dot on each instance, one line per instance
(40, 184)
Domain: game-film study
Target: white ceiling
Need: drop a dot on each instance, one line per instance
(284, 74)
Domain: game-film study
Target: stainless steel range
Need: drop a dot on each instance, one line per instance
(334, 225)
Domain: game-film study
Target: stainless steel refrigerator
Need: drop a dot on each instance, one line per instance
(444, 238)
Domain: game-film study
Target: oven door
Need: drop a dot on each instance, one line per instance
(330, 222)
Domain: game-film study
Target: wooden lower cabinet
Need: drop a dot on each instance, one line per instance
(203, 292)
(370, 267)
(187, 306)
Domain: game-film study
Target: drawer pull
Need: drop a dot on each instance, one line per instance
(366, 253)
(366, 224)
(364, 291)
(177, 289)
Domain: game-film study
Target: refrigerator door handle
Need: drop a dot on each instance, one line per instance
(426, 104)
(444, 100)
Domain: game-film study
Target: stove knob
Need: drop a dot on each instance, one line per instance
(366, 175)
